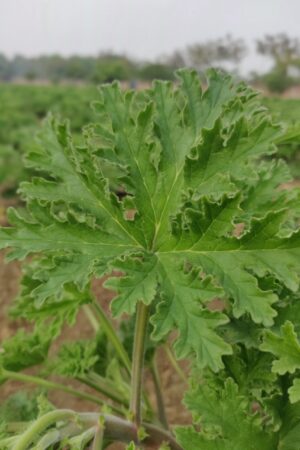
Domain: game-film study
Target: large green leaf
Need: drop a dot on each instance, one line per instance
(154, 198)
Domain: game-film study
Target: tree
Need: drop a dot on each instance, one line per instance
(158, 71)
(282, 49)
(284, 53)
(216, 52)
(109, 67)
(79, 67)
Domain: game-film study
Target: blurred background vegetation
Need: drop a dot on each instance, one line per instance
(30, 88)
(226, 53)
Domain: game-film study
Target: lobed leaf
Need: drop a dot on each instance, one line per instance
(285, 347)
(153, 198)
(230, 425)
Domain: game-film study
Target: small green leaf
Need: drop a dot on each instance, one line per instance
(226, 421)
(138, 284)
(285, 347)
(27, 349)
(131, 446)
(76, 358)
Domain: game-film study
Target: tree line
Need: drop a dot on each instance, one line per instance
(226, 53)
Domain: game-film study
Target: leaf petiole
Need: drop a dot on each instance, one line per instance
(58, 386)
(158, 392)
(112, 335)
(138, 361)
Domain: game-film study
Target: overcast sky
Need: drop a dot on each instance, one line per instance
(144, 29)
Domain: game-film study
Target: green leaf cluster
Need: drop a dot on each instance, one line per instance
(184, 161)
(173, 198)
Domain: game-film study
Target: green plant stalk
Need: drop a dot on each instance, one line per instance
(7, 442)
(70, 431)
(97, 378)
(93, 379)
(138, 362)
(98, 439)
(147, 407)
(85, 438)
(101, 386)
(122, 430)
(15, 427)
(95, 325)
(159, 397)
(42, 424)
(91, 317)
(112, 335)
(53, 385)
(174, 363)
(114, 428)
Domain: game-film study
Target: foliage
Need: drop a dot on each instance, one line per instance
(9, 159)
(277, 80)
(171, 196)
(287, 111)
(21, 406)
(56, 68)
(156, 71)
(24, 108)
(109, 68)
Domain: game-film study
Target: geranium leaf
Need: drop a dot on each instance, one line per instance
(153, 198)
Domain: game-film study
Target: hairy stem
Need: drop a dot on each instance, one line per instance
(110, 332)
(41, 424)
(98, 439)
(118, 429)
(53, 385)
(112, 335)
(159, 397)
(138, 361)
(114, 428)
